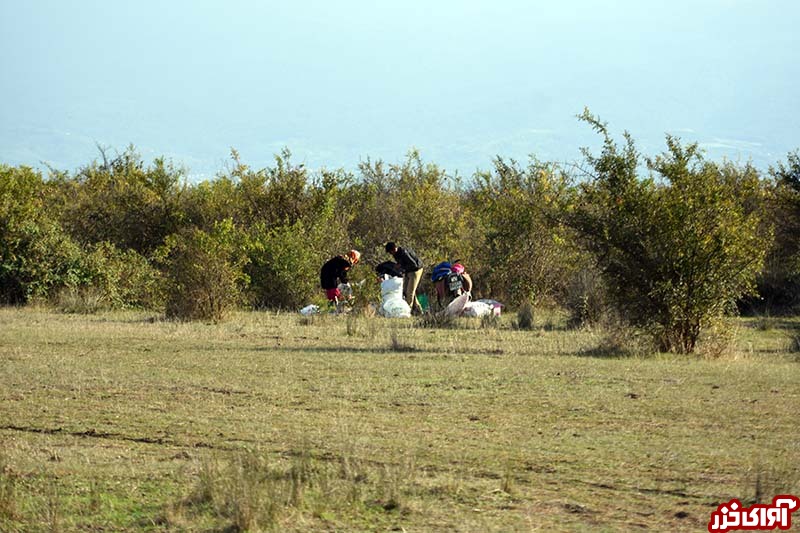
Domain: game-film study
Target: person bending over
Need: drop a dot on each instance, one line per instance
(334, 272)
(412, 272)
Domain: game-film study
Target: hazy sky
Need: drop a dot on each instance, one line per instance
(339, 81)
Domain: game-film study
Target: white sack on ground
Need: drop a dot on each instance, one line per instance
(392, 303)
(477, 309)
(309, 310)
(483, 307)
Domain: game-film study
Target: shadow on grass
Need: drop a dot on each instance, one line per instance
(602, 352)
(342, 349)
(768, 323)
(616, 343)
(400, 349)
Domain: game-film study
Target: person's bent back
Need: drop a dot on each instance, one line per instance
(334, 272)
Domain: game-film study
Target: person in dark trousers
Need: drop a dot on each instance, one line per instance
(412, 272)
(334, 272)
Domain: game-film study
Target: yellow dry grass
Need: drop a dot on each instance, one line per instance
(122, 422)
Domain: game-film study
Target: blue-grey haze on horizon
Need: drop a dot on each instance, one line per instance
(337, 82)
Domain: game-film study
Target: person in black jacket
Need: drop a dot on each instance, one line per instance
(412, 272)
(334, 272)
(390, 269)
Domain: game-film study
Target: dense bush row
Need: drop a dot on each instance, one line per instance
(668, 243)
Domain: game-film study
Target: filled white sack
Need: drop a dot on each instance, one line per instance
(477, 309)
(392, 303)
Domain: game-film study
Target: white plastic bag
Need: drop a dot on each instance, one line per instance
(496, 306)
(346, 290)
(392, 303)
(392, 287)
(395, 308)
(477, 309)
(309, 310)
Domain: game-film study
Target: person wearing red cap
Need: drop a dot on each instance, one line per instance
(334, 272)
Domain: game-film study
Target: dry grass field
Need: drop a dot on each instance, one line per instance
(273, 422)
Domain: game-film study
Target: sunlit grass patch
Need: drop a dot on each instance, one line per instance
(119, 422)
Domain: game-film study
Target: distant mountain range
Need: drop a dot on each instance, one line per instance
(205, 156)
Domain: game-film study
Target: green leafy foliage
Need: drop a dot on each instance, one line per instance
(779, 284)
(284, 267)
(121, 201)
(124, 278)
(45, 260)
(678, 248)
(529, 255)
(36, 256)
(414, 204)
(788, 174)
(285, 258)
(274, 196)
(204, 272)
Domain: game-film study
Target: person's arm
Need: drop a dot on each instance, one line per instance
(401, 258)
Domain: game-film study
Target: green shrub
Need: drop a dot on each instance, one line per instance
(525, 316)
(527, 254)
(283, 267)
(586, 299)
(285, 259)
(204, 272)
(121, 200)
(36, 256)
(273, 196)
(42, 261)
(81, 300)
(779, 283)
(676, 253)
(125, 279)
(416, 204)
